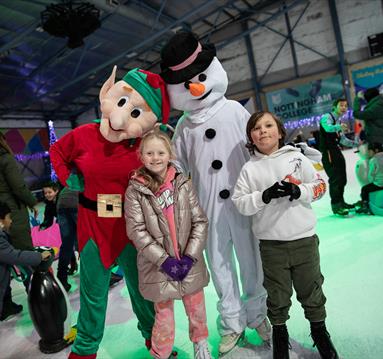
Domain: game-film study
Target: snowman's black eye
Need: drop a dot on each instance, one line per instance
(202, 77)
(187, 85)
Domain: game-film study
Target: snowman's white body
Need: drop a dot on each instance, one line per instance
(195, 154)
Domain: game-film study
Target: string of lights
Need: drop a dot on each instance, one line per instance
(52, 140)
(313, 121)
(33, 156)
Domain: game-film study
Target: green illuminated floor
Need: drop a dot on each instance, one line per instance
(351, 256)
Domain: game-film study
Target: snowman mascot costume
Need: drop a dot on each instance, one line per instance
(210, 146)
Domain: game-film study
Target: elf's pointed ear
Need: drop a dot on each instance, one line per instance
(108, 84)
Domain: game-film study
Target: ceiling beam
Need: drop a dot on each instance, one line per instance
(19, 38)
(153, 10)
(143, 51)
(278, 13)
(147, 42)
(128, 12)
(216, 27)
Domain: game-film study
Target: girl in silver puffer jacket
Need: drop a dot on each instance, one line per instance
(169, 230)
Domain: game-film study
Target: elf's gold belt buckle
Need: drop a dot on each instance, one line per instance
(109, 205)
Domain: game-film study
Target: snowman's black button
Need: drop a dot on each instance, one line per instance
(216, 164)
(224, 194)
(210, 133)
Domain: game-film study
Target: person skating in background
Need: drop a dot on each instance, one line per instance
(169, 230)
(375, 177)
(116, 275)
(331, 135)
(51, 190)
(67, 208)
(61, 203)
(276, 188)
(10, 256)
(371, 115)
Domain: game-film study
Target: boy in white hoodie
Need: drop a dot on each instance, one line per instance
(276, 188)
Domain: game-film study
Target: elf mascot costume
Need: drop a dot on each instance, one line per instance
(104, 154)
(210, 145)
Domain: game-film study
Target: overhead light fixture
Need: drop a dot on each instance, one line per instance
(183, 26)
(113, 2)
(177, 28)
(131, 54)
(72, 19)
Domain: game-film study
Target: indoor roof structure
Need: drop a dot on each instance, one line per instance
(48, 77)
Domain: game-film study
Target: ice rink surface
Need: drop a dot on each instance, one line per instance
(351, 258)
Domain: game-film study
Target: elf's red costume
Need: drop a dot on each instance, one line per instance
(104, 155)
(106, 168)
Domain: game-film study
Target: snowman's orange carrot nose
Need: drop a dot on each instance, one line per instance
(196, 89)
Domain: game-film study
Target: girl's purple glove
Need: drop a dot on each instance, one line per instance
(186, 265)
(172, 267)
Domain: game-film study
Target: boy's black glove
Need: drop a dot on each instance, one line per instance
(275, 191)
(290, 189)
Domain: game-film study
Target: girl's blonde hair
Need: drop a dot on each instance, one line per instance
(4, 144)
(153, 180)
(254, 118)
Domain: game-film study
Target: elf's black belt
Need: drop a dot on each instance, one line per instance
(92, 205)
(87, 203)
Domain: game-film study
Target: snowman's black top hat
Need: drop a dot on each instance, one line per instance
(183, 57)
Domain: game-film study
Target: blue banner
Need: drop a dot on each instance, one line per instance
(304, 101)
(368, 77)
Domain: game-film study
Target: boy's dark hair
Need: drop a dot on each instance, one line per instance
(51, 184)
(335, 102)
(4, 210)
(254, 118)
(371, 93)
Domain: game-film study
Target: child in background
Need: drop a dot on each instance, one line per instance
(375, 177)
(276, 187)
(62, 204)
(51, 191)
(67, 207)
(11, 256)
(169, 230)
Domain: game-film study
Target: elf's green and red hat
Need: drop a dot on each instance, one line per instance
(153, 89)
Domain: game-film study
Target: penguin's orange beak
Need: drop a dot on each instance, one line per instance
(196, 89)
